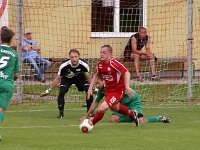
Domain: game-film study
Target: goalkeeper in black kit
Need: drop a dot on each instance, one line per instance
(72, 71)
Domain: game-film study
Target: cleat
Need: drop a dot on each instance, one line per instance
(0, 138)
(60, 116)
(135, 118)
(165, 119)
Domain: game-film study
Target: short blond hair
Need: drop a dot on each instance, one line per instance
(108, 47)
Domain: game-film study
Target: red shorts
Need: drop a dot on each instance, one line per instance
(114, 98)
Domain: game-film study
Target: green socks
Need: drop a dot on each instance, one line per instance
(153, 119)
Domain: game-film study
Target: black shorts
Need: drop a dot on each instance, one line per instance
(80, 82)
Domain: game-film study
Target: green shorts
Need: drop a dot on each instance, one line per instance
(5, 97)
(132, 106)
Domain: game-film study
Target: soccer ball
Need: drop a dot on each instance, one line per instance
(86, 126)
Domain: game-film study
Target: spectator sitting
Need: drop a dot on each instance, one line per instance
(134, 51)
(30, 49)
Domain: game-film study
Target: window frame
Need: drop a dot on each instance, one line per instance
(116, 33)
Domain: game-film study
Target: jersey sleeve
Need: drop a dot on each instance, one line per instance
(60, 71)
(86, 67)
(99, 96)
(118, 66)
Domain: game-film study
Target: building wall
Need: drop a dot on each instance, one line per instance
(61, 25)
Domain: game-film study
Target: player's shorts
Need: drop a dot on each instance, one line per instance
(80, 82)
(114, 98)
(5, 96)
(124, 118)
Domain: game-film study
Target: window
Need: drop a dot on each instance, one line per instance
(117, 18)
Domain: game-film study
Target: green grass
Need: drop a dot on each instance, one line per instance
(153, 92)
(33, 126)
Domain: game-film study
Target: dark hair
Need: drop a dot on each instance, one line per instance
(74, 51)
(142, 28)
(4, 27)
(108, 47)
(6, 35)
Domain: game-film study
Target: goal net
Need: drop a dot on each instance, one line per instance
(86, 25)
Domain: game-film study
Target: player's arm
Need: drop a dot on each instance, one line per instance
(92, 83)
(127, 83)
(92, 108)
(134, 47)
(54, 83)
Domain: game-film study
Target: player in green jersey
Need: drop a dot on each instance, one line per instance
(133, 103)
(9, 68)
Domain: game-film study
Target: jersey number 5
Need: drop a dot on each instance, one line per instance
(4, 61)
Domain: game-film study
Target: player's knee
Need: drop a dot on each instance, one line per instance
(63, 90)
(102, 110)
(1, 116)
(114, 119)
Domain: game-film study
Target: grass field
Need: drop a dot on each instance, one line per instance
(34, 126)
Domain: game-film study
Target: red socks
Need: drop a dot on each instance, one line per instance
(97, 117)
(122, 110)
(125, 111)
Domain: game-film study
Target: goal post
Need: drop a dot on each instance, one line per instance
(86, 25)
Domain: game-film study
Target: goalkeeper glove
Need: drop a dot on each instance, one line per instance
(45, 93)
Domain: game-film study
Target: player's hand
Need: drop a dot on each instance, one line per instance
(130, 91)
(46, 92)
(81, 119)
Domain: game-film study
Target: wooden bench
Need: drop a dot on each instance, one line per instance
(163, 64)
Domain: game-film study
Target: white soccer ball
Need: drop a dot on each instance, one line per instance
(86, 126)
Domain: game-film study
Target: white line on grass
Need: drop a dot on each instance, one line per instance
(78, 109)
(61, 126)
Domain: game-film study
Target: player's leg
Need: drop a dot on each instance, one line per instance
(5, 97)
(82, 85)
(113, 102)
(90, 100)
(118, 118)
(163, 119)
(1, 118)
(100, 112)
(64, 87)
